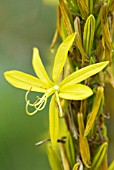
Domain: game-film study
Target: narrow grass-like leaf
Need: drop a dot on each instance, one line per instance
(84, 73)
(53, 121)
(54, 158)
(61, 56)
(75, 92)
(25, 81)
(99, 156)
(95, 110)
(39, 68)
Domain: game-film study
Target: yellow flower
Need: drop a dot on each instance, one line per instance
(69, 88)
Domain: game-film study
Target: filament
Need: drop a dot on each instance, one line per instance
(40, 102)
(58, 102)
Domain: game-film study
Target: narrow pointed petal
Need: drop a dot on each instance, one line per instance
(39, 68)
(84, 73)
(61, 56)
(24, 81)
(53, 121)
(75, 92)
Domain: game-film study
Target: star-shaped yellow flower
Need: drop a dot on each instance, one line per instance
(69, 88)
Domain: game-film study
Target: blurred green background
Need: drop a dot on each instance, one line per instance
(26, 24)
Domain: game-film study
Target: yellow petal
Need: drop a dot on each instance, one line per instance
(53, 121)
(61, 56)
(84, 73)
(75, 92)
(39, 68)
(24, 81)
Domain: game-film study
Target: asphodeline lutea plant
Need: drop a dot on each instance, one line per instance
(69, 88)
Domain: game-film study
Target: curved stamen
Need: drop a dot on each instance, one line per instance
(26, 98)
(41, 105)
(38, 105)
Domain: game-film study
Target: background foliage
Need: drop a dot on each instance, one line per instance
(23, 25)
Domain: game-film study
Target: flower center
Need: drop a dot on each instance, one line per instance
(56, 87)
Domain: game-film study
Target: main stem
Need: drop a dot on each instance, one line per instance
(85, 145)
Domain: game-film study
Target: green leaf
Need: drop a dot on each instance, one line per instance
(84, 73)
(53, 121)
(39, 68)
(61, 56)
(54, 158)
(25, 81)
(75, 92)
